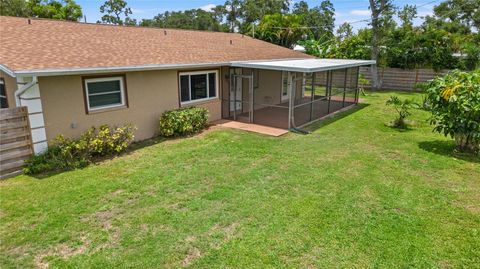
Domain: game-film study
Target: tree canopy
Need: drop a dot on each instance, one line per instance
(116, 12)
(449, 38)
(50, 9)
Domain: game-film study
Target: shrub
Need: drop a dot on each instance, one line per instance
(66, 153)
(183, 121)
(403, 109)
(107, 141)
(362, 82)
(454, 101)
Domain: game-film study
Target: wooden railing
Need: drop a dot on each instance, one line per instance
(15, 140)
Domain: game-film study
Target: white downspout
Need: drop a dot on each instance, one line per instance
(23, 89)
(32, 101)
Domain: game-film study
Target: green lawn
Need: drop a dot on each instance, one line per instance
(354, 193)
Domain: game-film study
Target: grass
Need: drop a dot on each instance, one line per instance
(354, 193)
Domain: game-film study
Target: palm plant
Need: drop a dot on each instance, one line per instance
(403, 108)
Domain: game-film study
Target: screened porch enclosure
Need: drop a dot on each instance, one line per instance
(287, 99)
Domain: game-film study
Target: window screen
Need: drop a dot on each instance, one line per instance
(197, 86)
(104, 92)
(185, 88)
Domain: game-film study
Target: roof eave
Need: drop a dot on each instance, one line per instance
(7, 70)
(102, 70)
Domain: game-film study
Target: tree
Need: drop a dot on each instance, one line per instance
(354, 47)
(454, 101)
(456, 15)
(344, 31)
(197, 19)
(300, 8)
(114, 10)
(281, 29)
(320, 20)
(254, 10)
(381, 19)
(51, 9)
(233, 12)
(17, 8)
(406, 15)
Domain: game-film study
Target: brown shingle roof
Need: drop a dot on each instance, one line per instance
(52, 44)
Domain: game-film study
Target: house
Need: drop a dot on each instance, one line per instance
(72, 76)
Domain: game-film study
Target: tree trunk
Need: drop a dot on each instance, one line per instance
(376, 11)
(374, 68)
(466, 143)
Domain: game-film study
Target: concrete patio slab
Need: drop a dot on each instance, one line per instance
(250, 127)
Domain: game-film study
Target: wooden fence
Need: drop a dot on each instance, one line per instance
(15, 140)
(400, 79)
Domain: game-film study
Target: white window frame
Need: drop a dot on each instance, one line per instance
(103, 79)
(202, 72)
(2, 81)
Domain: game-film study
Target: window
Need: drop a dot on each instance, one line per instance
(3, 94)
(198, 86)
(104, 93)
(285, 90)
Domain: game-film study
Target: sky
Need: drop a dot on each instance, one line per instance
(346, 10)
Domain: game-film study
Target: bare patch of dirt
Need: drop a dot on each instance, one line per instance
(63, 251)
(115, 193)
(228, 233)
(191, 238)
(104, 219)
(193, 254)
(218, 234)
(175, 206)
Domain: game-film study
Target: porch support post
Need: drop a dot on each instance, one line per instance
(356, 86)
(344, 87)
(250, 90)
(312, 97)
(328, 90)
(290, 99)
(234, 78)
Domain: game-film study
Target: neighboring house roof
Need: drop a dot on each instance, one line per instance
(42, 45)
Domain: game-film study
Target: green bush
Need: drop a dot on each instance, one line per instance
(183, 121)
(66, 153)
(454, 101)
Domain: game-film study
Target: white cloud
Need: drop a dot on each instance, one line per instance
(338, 14)
(360, 12)
(208, 7)
(424, 13)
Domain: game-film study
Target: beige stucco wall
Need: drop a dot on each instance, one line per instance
(268, 91)
(269, 87)
(149, 94)
(11, 87)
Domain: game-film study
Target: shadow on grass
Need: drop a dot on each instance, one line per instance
(131, 149)
(403, 129)
(334, 117)
(448, 148)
